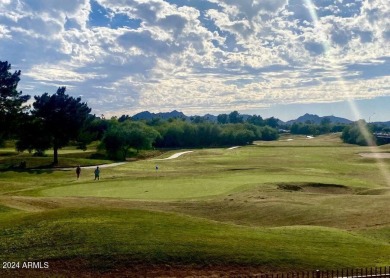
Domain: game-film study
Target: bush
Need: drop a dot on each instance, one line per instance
(358, 134)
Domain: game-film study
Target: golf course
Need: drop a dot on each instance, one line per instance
(295, 204)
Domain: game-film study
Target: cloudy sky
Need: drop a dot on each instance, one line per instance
(270, 57)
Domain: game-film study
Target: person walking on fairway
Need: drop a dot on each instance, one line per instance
(97, 173)
(78, 171)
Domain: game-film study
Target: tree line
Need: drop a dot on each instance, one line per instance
(120, 137)
(54, 121)
(362, 133)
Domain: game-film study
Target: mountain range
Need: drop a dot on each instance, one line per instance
(315, 119)
(312, 118)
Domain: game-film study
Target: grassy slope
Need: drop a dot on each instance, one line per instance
(159, 238)
(298, 229)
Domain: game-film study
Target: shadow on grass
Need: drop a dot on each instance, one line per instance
(44, 169)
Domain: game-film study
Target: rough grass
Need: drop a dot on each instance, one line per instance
(160, 238)
(272, 207)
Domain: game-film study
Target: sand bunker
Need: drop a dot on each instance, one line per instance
(312, 187)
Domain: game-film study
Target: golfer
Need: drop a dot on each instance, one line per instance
(78, 171)
(97, 173)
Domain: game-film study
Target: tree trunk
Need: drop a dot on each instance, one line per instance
(55, 162)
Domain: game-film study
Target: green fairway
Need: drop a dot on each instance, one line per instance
(148, 188)
(288, 205)
(220, 171)
(171, 188)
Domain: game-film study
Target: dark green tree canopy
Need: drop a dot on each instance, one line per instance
(11, 100)
(223, 118)
(358, 133)
(122, 136)
(272, 122)
(61, 117)
(256, 120)
(30, 136)
(235, 117)
(62, 114)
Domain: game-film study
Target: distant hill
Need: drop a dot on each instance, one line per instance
(146, 115)
(317, 119)
(387, 124)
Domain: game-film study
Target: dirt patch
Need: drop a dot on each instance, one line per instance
(320, 188)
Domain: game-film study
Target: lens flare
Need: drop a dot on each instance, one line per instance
(336, 67)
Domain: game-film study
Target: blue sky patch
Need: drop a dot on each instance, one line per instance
(102, 17)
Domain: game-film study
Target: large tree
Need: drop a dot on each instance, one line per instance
(31, 135)
(256, 120)
(223, 118)
(358, 133)
(121, 137)
(61, 118)
(11, 100)
(235, 118)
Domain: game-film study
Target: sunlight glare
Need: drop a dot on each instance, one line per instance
(336, 67)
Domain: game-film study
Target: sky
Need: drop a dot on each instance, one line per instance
(279, 58)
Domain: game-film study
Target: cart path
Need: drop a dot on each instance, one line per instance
(102, 165)
(176, 155)
(235, 147)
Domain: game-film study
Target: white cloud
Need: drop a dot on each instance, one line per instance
(4, 32)
(251, 8)
(237, 55)
(62, 72)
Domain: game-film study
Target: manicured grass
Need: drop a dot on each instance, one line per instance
(220, 171)
(148, 188)
(168, 238)
(174, 188)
